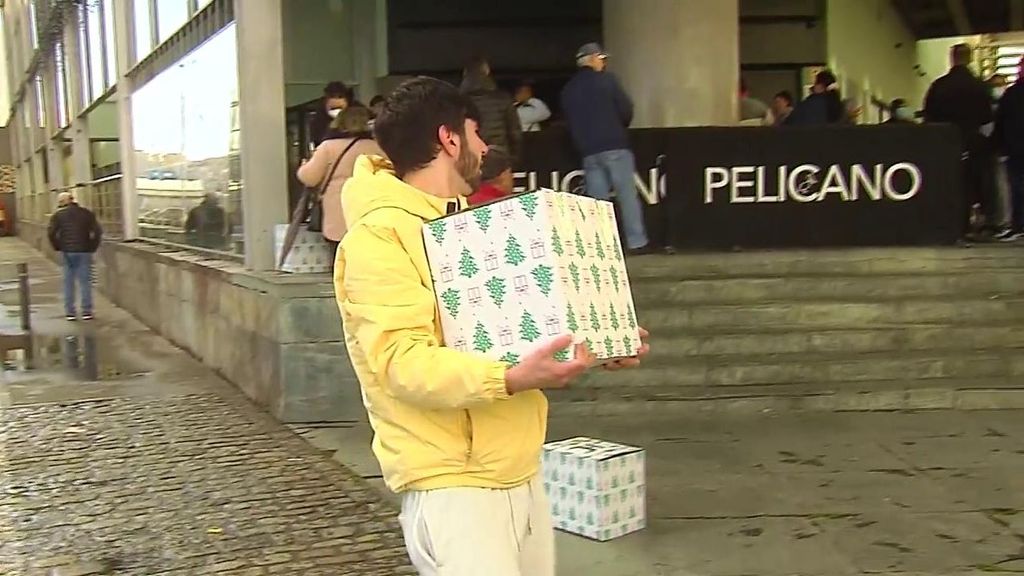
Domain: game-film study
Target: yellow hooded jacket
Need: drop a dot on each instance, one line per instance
(441, 418)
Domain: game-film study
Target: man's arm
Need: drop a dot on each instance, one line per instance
(95, 231)
(931, 112)
(380, 293)
(53, 232)
(533, 112)
(622, 100)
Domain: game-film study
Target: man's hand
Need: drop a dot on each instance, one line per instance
(635, 360)
(539, 369)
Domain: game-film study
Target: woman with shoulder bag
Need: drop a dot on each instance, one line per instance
(348, 138)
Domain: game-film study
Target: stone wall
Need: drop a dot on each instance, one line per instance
(277, 337)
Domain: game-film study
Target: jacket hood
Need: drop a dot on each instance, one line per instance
(373, 186)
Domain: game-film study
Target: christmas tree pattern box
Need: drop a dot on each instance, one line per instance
(596, 488)
(513, 273)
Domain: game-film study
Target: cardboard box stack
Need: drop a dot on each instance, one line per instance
(510, 274)
(597, 488)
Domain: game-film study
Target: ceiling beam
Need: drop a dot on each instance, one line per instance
(960, 18)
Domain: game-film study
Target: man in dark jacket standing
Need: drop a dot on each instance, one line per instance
(962, 99)
(499, 121)
(75, 233)
(1009, 136)
(599, 114)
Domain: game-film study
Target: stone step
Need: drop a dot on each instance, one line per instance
(932, 394)
(851, 262)
(833, 315)
(666, 292)
(780, 340)
(801, 368)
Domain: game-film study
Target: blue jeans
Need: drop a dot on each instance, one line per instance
(1015, 176)
(77, 270)
(615, 169)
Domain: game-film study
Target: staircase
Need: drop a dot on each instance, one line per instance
(866, 329)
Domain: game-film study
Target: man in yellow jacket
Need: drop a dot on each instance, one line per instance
(459, 435)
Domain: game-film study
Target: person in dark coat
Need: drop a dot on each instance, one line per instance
(822, 106)
(76, 234)
(499, 121)
(1009, 137)
(206, 224)
(964, 100)
(599, 114)
(337, 96)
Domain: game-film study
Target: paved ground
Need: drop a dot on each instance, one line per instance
(123, 455)
(159, 467)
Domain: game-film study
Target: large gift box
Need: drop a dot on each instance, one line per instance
(309, 255)
(512, 273)
(597, 488)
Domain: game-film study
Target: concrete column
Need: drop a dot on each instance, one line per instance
(678, 59)
(124, 40)
(369, 45)
(261, 103)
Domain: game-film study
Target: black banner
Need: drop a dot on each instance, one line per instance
(744, 187)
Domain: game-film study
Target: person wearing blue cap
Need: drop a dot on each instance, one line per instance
(599, 114)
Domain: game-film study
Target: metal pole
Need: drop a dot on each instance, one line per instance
(25, 304)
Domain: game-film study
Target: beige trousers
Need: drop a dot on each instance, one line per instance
(480, 532)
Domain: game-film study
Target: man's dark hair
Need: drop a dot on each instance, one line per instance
(406, 128)
(376, 100)
(337, 89)
(477, 66)
(786, 96)
(496, 162)
(825, 78)
(962, 54)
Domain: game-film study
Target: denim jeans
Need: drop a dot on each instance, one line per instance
(615, 169)
(1015, 176)
(77, 270)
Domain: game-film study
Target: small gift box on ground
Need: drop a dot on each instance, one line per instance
(512, 273)
(597, 489)
(309, 255)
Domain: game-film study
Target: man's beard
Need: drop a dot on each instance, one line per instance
(468, 167)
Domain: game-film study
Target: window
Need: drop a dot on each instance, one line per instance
(143, 30)
(187, 159)
(33, 29)
(170, 15)
(110, 48)
(83, 56)
(60, 85)
(97, 67)
(40, 101)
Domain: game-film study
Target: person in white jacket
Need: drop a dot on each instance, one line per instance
(532, 111)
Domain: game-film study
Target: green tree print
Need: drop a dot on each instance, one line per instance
(556, 241)
(544, 276)
(513, 252)
(628, 343)
(581, 250)
(571, 320)
(574, 273)
(467, 264)
(528, 328)
(452, 301)
(510, 358)
(614, 317)
(481, 339)
(562, 355)
(482, 217)
(609, 346)
(528, 202)
(590, 344)
(595, 320)
(595, 274)
(614, 273)
(496, 288)
(630, 318)
(437, 230)
(599, 246)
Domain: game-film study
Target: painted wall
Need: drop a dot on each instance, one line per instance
(872, 51)
(5, 96)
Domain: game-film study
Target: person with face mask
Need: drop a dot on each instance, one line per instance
(337, 96)
(900, 113)
(459, 436)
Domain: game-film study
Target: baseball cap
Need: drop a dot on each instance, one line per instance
(591, 49)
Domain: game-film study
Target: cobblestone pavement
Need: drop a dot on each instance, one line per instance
(158, 467)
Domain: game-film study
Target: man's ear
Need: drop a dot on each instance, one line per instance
(450, 141)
